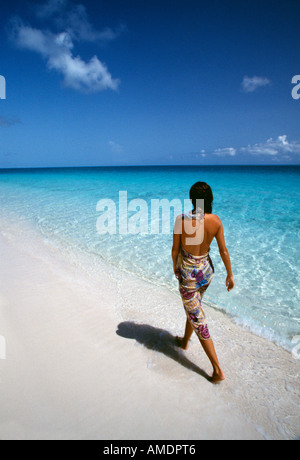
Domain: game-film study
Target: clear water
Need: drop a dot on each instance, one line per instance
(259, 207)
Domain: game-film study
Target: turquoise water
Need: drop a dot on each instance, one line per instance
(259, 207)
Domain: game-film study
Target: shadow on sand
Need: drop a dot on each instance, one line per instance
(158, 340)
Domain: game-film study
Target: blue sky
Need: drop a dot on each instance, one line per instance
(149, 82)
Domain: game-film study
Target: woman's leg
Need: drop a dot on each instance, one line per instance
(184, 341)
(209, 348)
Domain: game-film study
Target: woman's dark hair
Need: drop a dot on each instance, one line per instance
(202, 191)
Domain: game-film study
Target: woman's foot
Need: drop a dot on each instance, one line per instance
(218, 376)
(181, 343)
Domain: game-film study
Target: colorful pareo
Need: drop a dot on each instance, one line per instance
(194, 275)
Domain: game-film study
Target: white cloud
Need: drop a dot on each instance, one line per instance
(227, 151)
(115, 148)
(74, 19)
(57, 48)
(274, 147)
(277, 149)
(251, 84)
(51, 7)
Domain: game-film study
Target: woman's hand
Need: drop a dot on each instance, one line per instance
(176, 271)
(230, 282)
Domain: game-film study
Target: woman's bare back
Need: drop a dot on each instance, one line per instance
(196, 236)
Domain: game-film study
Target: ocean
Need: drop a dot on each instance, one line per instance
(258, 205)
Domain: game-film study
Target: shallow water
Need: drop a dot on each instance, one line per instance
(258, 207)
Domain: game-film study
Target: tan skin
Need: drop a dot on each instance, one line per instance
(202, 235)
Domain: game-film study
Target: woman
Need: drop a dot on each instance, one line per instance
(193, 234)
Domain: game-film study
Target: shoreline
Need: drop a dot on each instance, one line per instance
(89, 263)
(112, 340)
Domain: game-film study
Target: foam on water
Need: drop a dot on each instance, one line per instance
(258, 207)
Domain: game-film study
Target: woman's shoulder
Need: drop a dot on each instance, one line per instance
(214, 218)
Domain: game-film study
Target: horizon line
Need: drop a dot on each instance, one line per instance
(143, 166)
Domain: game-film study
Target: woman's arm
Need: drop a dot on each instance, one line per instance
(225, 257)
(176, 241)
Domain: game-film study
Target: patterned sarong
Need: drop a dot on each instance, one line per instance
(194, 274)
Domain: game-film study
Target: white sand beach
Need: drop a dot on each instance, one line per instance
(87, 358)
